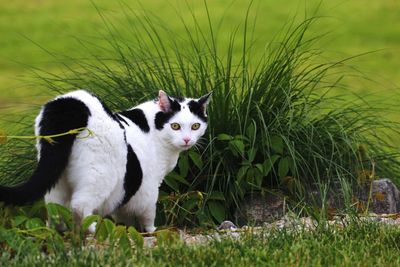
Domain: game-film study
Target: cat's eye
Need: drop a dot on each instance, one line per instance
(195, 126)
(175, 126)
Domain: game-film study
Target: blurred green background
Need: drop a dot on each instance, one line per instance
(355, 27)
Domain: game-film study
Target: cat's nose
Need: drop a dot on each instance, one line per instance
(186, 139)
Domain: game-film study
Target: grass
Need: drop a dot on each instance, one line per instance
(365, 244)
(272, 124)
(276, 121)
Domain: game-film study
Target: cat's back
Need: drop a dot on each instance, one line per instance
(80, 105)
(93, 103)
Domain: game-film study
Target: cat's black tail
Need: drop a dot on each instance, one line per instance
(57, 116)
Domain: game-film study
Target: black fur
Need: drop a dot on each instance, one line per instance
(162, 118)
(137, 116)
(59, 116)
(197, 108)
(121, 119)
(180, 99)
(133, 176)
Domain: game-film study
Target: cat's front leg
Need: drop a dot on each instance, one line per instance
(146, 219)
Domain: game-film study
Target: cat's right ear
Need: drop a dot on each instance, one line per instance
(164, 101)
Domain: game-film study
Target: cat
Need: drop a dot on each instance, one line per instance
(118, 169)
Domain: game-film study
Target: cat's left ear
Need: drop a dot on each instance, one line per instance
(203, 101)
(164, 101)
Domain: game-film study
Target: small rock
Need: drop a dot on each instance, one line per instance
(389, 221)
(150, 242)
(258, 208)
(227, 225)
(385, 197)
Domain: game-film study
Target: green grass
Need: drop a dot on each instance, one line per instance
(25, 241)
(364, 244)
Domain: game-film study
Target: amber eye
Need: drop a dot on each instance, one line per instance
(175, 126)
(195, 126)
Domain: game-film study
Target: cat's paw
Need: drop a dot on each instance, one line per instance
(150, 229)
(92, 228)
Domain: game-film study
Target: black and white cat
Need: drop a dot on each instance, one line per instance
(117, 170)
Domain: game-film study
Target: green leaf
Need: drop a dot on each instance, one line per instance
(241, 173)
(258, 180)
(217, 210)
(292, 166)
(268, 163)
(120, 236)
(101, 232)
(237, 145)
(18, 220)
(103, 229)
(183, 164)
(216, 195)
(252, 154)
(189, 204)
(251, 131)
(59, 213)
(136, 237)
(52, 210)
(87, 221)
(250, 174)
(110, 226)
(276, 143)
(34, 223)
(224, 137)
(196, 158)
(283, 167)
(170, 181)
(260, 168)
(178, 178)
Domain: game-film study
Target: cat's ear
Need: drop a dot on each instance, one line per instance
(203, 101)
(164, 101)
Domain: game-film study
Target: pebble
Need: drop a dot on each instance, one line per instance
(227, 225)
(228, 229)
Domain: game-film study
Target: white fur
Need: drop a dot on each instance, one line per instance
(93, 179)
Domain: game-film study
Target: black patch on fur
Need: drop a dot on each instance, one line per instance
(59, 116)
(137, 116)
(133, 176)
(120, 118)
(197, 109)
(180, 99)
(162, 118)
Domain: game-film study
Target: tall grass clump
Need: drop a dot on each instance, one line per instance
(274, 123)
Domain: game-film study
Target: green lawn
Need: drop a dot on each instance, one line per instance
(356, 245)
(356, 27)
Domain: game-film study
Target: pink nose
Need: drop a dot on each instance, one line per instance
(186, 139)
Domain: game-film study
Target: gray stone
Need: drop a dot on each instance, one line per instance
(333, 199)
(385, 197)
(227, 225)
(258, 208)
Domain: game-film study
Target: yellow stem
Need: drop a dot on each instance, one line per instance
(49, 138)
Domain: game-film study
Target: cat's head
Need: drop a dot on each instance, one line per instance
(181, 122)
